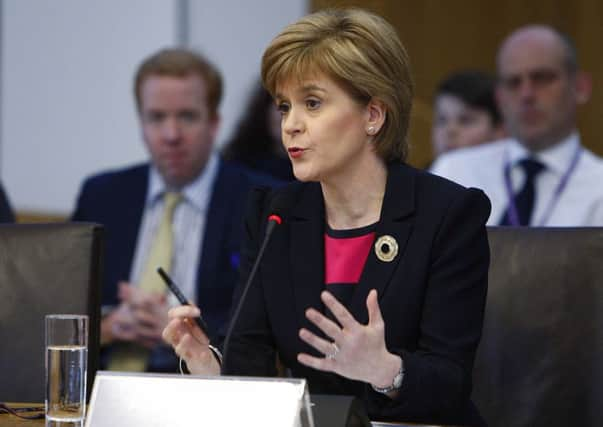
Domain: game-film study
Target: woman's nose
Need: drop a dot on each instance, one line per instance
(292, 123)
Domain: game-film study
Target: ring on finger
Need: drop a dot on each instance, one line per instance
(333, 354)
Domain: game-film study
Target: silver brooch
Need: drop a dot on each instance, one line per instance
(386, 248)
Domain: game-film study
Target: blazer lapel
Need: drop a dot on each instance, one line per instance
(307, 252)
(395, 221)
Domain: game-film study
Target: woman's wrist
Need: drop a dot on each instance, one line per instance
(206, 364)
(389, 368)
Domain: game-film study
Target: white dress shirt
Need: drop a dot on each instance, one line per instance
(188, 227)
(579, 204)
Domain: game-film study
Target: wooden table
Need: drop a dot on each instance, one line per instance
(8, 420)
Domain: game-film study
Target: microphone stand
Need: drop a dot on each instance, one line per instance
(273, 220)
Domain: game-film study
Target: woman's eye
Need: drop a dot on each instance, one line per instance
(283, 107)
(312, 104)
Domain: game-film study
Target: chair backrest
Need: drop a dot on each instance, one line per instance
(44, 269)
(540, 360)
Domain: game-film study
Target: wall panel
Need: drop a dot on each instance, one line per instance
(442, 36)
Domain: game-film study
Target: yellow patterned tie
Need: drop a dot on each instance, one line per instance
(130, 356)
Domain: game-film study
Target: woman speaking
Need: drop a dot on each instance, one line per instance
(375, 283)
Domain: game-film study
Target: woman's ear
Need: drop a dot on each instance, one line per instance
(376, 114)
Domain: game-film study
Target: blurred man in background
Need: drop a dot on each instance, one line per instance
(542, 175)
(181, 211)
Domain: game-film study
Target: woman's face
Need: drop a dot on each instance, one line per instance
(324, 130)
(457, 125)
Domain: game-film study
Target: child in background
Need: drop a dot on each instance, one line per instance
(465, 112)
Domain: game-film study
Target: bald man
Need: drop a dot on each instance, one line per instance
(542, 175)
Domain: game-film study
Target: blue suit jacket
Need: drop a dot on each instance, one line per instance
(6, 213)
(116, 200)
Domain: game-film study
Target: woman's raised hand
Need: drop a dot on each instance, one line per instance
(355, 351)
(189, 342)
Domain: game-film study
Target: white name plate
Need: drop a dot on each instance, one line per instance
(133, 399)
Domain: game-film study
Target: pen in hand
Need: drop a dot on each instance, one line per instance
(182, 300)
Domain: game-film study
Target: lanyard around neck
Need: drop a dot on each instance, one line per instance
(513, 215)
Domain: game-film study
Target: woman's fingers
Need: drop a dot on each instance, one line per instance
(325, 347)
(172, 332)
(181, 323)
(195, 331)
(343, 316)
(358, 350)
(330, 328)
(182, 311)
(374, 311)
(187, 346)
(319, 363)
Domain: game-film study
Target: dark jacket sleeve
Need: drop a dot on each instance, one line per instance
(6, 213)
(437, 380)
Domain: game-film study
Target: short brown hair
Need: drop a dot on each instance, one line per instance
(359, 50)
(180, 63)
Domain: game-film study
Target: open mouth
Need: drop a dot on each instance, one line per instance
(295, 152)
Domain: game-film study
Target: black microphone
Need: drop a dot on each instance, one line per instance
(273, 220)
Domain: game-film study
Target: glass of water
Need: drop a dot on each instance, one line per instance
(66, 367)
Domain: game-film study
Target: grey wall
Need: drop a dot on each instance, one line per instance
(234, 34)
(66, 107)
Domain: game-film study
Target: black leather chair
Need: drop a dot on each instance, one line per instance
(540, 361)
(44, 268)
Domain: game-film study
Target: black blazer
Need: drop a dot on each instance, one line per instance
(432, 295)
(116, 200)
